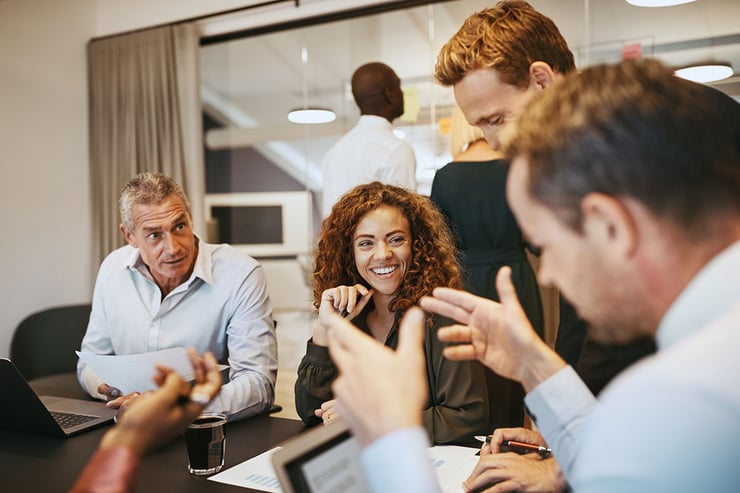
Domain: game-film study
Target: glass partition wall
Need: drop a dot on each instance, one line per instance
(250, 84)
(263, 176)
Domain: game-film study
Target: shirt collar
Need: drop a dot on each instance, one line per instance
(203, 263)
(374, 121)
(708, 295)
(203, 268)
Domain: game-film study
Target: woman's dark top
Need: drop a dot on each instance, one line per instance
(458, 399)
(472, 196)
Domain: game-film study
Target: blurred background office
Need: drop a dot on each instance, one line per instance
(240, 68)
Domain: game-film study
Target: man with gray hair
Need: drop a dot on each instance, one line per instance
(167, 288)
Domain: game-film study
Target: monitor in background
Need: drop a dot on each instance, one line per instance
(274, 224)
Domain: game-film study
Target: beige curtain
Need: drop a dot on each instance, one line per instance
(144, 116)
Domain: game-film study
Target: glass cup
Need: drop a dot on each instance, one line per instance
(206, 444)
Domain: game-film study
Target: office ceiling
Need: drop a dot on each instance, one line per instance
(250, 84)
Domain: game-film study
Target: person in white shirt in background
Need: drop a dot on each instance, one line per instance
(370, 151)
(167, 289)
(632, 191)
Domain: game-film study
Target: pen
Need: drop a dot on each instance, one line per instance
(518, 446)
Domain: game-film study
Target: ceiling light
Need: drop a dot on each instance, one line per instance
(706, 72)
(311, 115)
(657, 3)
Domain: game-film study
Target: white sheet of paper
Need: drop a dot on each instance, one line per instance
(452, 464)
(256, 473)
(134, 372)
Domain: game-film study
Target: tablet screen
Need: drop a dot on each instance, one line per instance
(322, 461)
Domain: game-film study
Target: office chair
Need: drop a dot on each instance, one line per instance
(45, 342)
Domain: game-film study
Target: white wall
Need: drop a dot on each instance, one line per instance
(44, 191)
(45, 212)
(115, 16)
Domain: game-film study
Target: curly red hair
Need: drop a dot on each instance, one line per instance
(433, 251)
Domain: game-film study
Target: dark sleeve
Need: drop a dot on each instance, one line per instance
(437, 196)
(571, 333)
(727, 108)
(600, 363)
(316, 372)
(434, 193)
(458, 407)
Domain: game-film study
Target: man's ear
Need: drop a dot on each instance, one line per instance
(542, 74)
(388, 94)
(126, 235)
(609, 224)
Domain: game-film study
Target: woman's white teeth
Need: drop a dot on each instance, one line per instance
(384, 270)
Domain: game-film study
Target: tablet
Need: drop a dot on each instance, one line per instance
(322, 460)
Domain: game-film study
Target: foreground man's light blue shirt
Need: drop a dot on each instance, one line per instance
(224, 307)
(399, 462)
(670, 423)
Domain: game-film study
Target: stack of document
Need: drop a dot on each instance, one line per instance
(134, 372)
(452, 464)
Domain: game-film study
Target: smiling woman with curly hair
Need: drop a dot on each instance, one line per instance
(379, 251)
(433, 262)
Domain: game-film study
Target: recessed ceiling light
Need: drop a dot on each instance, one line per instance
(657, 3)
(707, 72)
(311, 115)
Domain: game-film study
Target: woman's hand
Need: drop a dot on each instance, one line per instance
(347, 301)
(327, 412)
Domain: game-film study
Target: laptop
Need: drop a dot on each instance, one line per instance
(325, 458)
(23, 410)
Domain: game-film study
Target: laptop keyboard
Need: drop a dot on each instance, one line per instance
(67, 420)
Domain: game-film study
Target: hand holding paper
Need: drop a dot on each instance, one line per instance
(133, 372)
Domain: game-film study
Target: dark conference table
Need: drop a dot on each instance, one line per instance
(39, 463)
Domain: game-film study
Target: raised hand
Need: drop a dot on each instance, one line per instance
(497, 334)
(379, 390)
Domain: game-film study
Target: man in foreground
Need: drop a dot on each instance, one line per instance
(638, 219)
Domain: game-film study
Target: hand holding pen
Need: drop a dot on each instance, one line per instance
(494, 443)
(519, 447)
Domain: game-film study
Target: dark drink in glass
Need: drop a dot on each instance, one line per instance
(206, 444)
